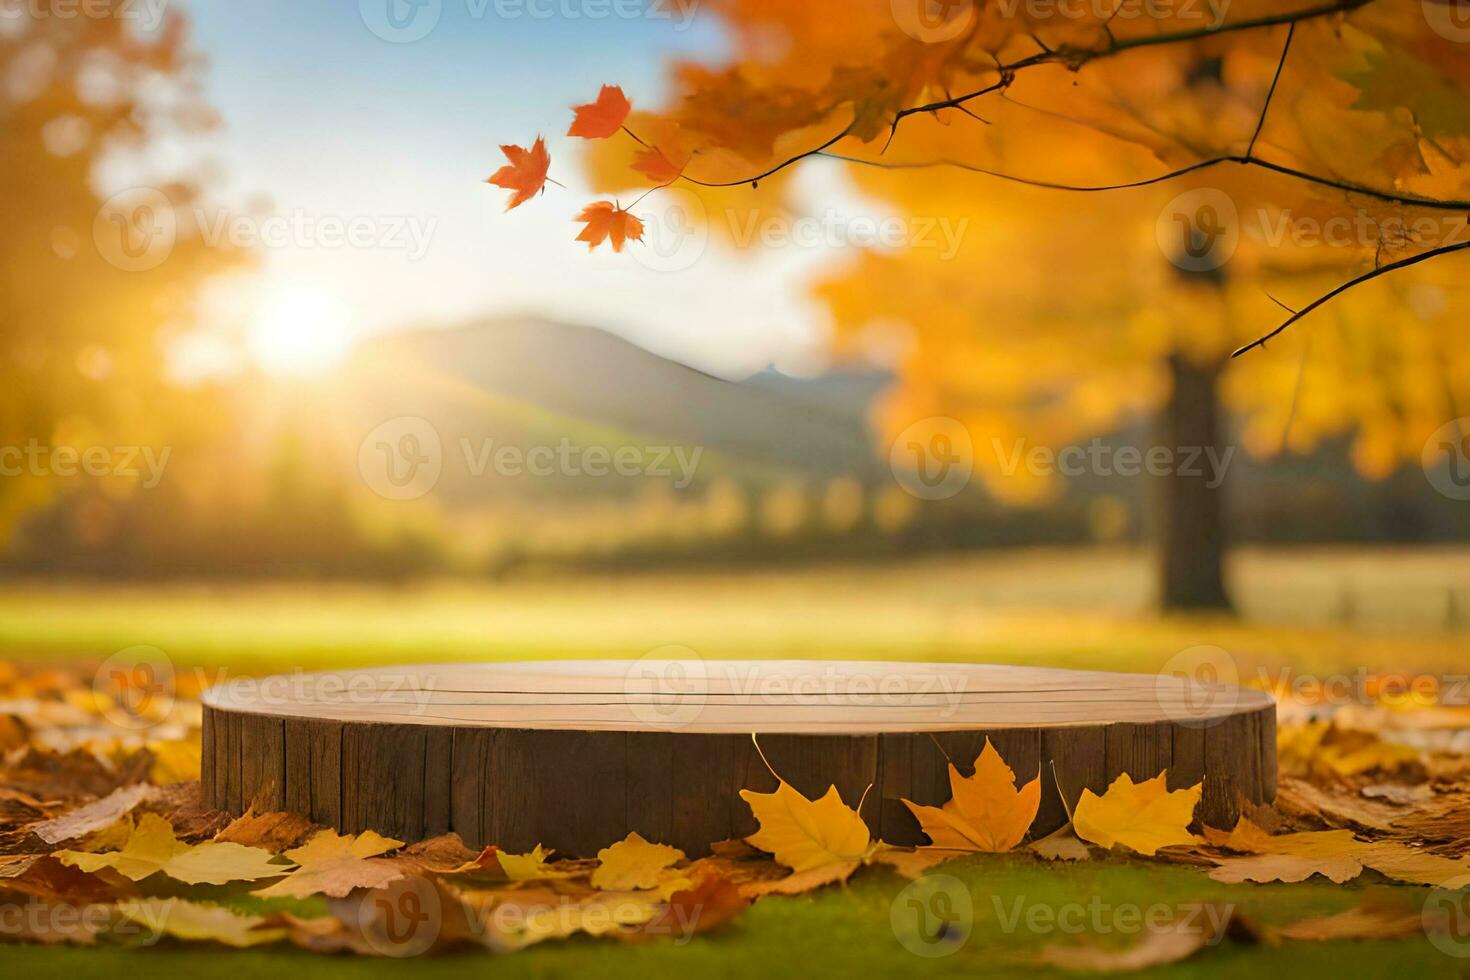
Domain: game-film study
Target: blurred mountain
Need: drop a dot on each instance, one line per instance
(527, 382)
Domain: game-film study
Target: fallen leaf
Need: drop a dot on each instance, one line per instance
(708, 904)
(152, 847)
(1172, 943)
(196, 921)
(803, 834)
(275, 832)
(42, 876)
(914, 863)
(633, 863)
(94, 816)
(801, 882)
(175, 761)
(605, 221)
(1062, 844)
(1141, 816)
(1362, 922)
(525, 173)
(986, 812)
(1286, 867)
(603, 118)
(331, 864)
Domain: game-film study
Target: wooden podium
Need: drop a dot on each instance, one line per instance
(575, 754)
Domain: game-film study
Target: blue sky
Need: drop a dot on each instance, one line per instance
(324, 117)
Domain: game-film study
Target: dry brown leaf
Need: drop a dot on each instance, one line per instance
(708, 904)
(1178, 941)
(94, 816)
(800, 882)
(1285, 867)
(1062, 844)
(274, 832)
(914, 863)
(1363, 922)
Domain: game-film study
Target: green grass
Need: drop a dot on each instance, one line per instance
(1314, 611)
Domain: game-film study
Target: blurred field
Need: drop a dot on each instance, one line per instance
(1311, 609)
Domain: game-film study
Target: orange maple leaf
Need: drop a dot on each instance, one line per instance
(601, 119)
(526, 172)
(605, 220)
(986, 811)
(656, 166)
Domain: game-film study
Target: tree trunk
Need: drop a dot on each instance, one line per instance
(1191, 510)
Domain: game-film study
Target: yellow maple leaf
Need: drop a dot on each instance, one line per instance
(187, 920)
(333, 865)
(151, 847)
(633, 863)
(985, 811)
(803, 834)
(1141, 816)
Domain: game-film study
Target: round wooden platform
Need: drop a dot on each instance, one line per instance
(575, 754)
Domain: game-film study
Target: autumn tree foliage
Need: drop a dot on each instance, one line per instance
(96, 269)
(1142, 191)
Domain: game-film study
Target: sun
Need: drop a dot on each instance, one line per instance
(299, 331)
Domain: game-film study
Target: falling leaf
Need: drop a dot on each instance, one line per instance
(603, 118)
(331, 864)
(633, 863)
(95, 816)
(195, 921)
(986, 812)
(656, 166)
(525, 173)
(152, 847)
(605, 221)
(1141, 816)
(803, 834)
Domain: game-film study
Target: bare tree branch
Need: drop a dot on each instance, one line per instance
(1372, 274)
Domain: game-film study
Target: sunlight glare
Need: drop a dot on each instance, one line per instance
(300, 332)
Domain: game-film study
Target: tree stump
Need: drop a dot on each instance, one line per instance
(575, 754)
